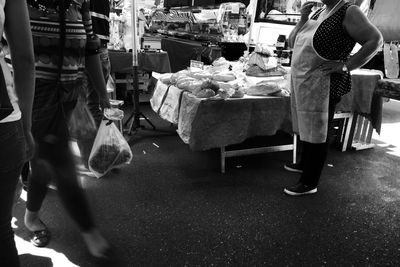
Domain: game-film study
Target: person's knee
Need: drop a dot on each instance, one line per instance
(41, 171)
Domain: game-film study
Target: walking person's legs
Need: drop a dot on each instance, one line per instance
(12, 156)
(8, 183)
(55, 154)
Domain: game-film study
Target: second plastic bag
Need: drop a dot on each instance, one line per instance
(110, 149)
(81, 124)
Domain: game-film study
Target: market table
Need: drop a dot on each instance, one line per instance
(216, 123)
(209, 123)
(121, 61)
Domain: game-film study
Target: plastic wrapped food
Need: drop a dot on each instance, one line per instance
(224, 77)
(225, 93)
(231, 85)
(208, 84)
(180, 74)
(256, 71)
(201, 75)
(182, 83)
(192, 86)
(220, 61)
(110, 149)
(266, 88)
(238, 94)
(166, 78)
(205, 93)
(258, 60)
(263, 49)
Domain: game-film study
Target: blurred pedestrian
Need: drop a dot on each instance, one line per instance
(64, 46)
(16, 98)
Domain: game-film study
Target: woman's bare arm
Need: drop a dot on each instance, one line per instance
(365, 33)
(18, 33)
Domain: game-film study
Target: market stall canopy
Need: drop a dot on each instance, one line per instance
(385, 16)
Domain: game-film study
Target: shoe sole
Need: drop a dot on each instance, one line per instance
(290, 193)
(292, 170)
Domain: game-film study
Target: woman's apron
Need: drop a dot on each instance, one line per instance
(309, 86)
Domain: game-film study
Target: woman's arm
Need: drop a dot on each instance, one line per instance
(92, 58)
(363, 32)
(305, 12)
(19, 37)
(93, 67)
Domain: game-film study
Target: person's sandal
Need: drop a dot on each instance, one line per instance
(107, 258)
(40, 238)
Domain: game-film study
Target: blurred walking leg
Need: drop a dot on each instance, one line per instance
(12, 155)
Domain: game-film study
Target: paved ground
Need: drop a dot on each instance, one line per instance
(172, 207)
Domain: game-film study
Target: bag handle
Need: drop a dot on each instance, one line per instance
(62, 39)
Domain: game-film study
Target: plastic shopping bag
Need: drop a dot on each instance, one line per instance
(110, 84)
(110, 149)
(113, 114)
(81, 124)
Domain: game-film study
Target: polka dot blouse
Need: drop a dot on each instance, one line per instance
(332, 41)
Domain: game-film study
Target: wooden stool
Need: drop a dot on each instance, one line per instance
(362, 134)
(346, 129)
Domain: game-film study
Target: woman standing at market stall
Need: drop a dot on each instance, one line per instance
(16, 98)
(320, 75)
(64, 45)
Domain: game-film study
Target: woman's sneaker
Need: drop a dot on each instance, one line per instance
(300, 189)
(293, 167)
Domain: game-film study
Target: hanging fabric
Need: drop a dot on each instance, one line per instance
(385, 16)
(391, 60)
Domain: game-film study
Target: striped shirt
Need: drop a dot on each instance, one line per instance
(46, 39)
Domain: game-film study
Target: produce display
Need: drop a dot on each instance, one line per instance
(226, 22)
(265, 88)
(257, 74)
(263, 64)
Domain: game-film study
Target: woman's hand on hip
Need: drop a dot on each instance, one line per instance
(332, 67)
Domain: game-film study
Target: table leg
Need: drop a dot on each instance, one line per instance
(348, 128)
(363, 135)
(294, 148)
(223, 159)
(369, 134)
